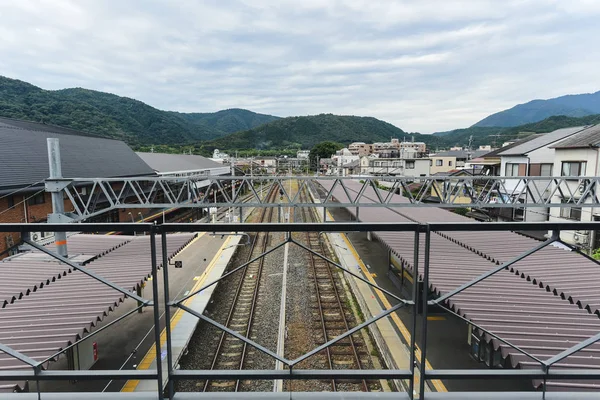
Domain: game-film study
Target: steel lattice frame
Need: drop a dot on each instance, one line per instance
(545, 372)
(105, 194)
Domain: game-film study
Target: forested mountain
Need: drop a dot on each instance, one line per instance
(113, 116)
(498, 135)
(306, 131)
(143, 126)
(577, 105)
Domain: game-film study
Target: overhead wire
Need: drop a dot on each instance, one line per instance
(21, 189)
(22, 201)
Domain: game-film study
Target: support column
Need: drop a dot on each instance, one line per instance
(139, 290)
(58, 203)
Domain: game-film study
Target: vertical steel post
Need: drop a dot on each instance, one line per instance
(413, 334)
(424, 313)
(165, 263)
(58, 203)
(155, 305)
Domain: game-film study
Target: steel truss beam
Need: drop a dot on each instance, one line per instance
(105, 194)
(417, 374)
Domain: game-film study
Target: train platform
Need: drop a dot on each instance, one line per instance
(122, 346)
(447, 334)
(183, 324)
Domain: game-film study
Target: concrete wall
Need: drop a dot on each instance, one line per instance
(592, 169)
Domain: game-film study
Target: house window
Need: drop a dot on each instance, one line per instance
(449, 163)
(37, 199)
(410, 165)
(546, 169)
(573, 168)
(439, 163)
(540, 169)
(572, 213)
(516, 169)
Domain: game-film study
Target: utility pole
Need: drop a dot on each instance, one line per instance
(58, 203)
(232, 187)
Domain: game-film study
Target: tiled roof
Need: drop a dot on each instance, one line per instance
(540, 141)
(589, 137)
(24, 155)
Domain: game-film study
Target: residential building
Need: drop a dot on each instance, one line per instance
(576, 156)
(267, 163)
(302, 154)
(532, 157)
(459, 193)
(341, 158)
(396, 166)
(326, 166)
(418, 147)
(24, 167)
(490, 162)
(360, 149)
(449, 160)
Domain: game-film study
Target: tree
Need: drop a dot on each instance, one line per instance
(323, 150)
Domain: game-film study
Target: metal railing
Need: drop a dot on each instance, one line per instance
(105, 194)
(416, 374)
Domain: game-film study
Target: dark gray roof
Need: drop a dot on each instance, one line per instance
(24, 155)
(495, 153)
(460, 153)
(589, 137)
(164, 163)
(541, 141)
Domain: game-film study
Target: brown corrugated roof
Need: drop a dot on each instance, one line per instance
(536, 304)
(44, 321)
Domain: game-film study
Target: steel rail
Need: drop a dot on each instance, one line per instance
(339, 303)
(237, 294)
(261, 263)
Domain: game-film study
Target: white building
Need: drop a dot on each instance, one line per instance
(395, 166)
(303, 154)
(220, 156)
(532, 157)
(577, 156)
(341, 158)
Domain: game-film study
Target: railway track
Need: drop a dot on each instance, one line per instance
(333, 316)
(231, 353)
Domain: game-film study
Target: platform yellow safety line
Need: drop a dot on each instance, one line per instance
(436, 318)
(146, 362)
(439, 386)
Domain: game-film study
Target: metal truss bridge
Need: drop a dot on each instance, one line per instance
(105, 194)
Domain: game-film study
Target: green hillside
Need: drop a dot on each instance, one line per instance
(305, 132)
(113, 116)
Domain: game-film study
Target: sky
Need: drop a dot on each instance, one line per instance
(424, 66)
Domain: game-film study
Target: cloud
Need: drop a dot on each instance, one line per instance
(423, 66)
